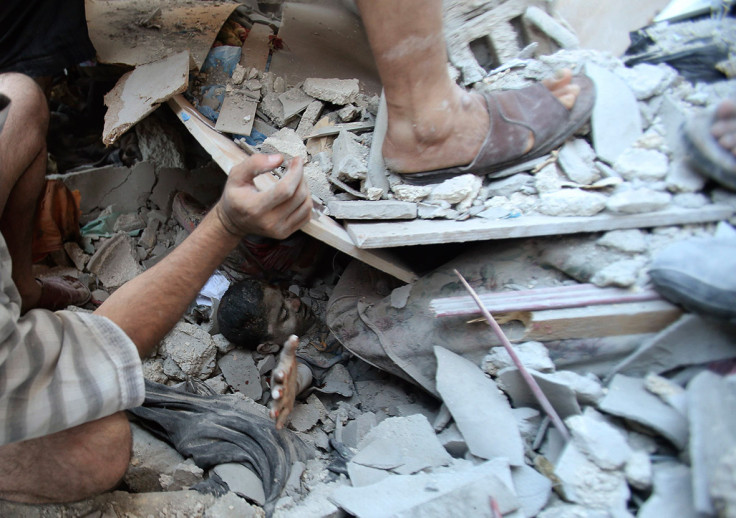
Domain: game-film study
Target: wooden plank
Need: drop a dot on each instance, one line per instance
(337, 128)
(139, 92)
(424, 232)
(227, 154)
(119, 37)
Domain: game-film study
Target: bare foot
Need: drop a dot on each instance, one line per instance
(452, 134)
(288, 379)
(724, 127)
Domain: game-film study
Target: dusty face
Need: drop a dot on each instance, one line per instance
(285, 314)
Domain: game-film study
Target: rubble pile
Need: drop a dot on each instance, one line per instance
(651, 434)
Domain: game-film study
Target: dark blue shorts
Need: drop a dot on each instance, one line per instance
(43, 37)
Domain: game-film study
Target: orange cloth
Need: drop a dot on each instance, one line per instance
(57, 219)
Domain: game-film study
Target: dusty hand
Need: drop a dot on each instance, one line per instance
(277, 212)
(288, 379)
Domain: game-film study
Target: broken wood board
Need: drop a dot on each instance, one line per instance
(256, 47)
(425, 232)
(557, 297)
(227, 155)
(140, 91)
(326, 41)
(237, 113)
(592, 321)
(132, 32)
(603, 25)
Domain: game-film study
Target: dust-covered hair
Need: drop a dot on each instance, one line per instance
(241, 316)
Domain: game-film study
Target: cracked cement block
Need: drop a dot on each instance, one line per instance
(309, 117)
(486, 420)
(628, 398)
(286, 142)
(241, 373)
(192, 350)
(115, 262)
(335, 91)
(125, 189)
(306, 415)
(533, 355)
(372, 210)
(349, 157)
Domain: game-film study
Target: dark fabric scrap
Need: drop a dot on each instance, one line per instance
(215, 429)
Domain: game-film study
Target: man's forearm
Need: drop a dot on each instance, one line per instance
(148, 306)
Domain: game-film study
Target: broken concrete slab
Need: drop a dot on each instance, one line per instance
(286, 142)
(309, 117)
(338, 381)
(571, 202)
(532, 489)
(673, 493)
(560, 395)
(673, 346)
(294, 101)
(354, 432)
(241, 373)
(306, 415)
(533, 355)
(465, 492)
(115, 261)
(241, 481)
(141, 91)
(237, 114)
(191, 349)
(486, 420)
(711, 403)
(627, 397)
(335, 91)
(372, 210)
(599, 440)
(404, 445)
(616, 122)
(349, 158)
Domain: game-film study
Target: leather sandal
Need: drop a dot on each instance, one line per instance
(59, 292)
(514, 115)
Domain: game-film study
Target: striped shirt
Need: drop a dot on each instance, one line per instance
(60, 369)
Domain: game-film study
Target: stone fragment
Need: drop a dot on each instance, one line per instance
(241, 481)
(335, 91)
(458, 493)
(349, 113)
(309, 117)
(561, 397)
(150, 458)
(129, 222)
(528, 420)
(622, 274)
(571, 202)
(630, 241)
(294, 101)
(673, 494)
(598, 440)
(638, 470)
(681, 177)
(148, 236)
(372, 210)
(638, 201)
(349, 157)
(532, 489)
(486, 420)
(286, 142)
(76, 254)
(355, 430)
(191, 349)
(438, 209)
(711, 404)
(184, 475)
(338, 381)
(616, 121)
(412, 193)
(452, 440)
(628, 398)
(509, 185)
(647, 80)
(534, 355)
(584, 483)
(457, 190)
(305, 415)
(404, 445)
(576, 160)
(642, 164)
(115, 261)
(587, 390)
(672, 347)
(548, 179)
(241, 373)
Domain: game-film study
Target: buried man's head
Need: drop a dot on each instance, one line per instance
(253, 312)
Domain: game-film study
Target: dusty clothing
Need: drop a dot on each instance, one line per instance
(42, 38)
(59, 370)
(396, 331)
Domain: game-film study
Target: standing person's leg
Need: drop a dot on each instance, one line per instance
(432, 122)
(22, 179)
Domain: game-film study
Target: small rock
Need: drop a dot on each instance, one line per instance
(638, 470)
(509, 185)
(548, 179)
(638, 201)
(76, 254)
(287, 142)
(690, 200)
(349, 157)
(533, 355)
(457, 190)
(411, 193)
(642, 164)
(576, 160)
(647, 80)
(336, 91)
(598, 440)
(571, 202)
(115, 261)
(622, 273)
(630, 241)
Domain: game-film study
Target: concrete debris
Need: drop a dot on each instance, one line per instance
(576, 159)
(630, 241)
(188, 351)
(382, 209)
(338, 381)
(647, 80)
(287, 142)
(647, 165)
(638, 470)
(534, 355)
(354, 432)
(622, 274)
(638, 201)
(565, 38)
(571, 202)
(349, 157)
(295, 101)
(460, 190)
(115, 261)
(241, 481)
(628, 398)
(486, 420)
(672, 495)
(335, 91)
(532, 489)
(306, 415)
(598, 440)
(240, 371)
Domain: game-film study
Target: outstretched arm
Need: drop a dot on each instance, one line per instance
(148, 306)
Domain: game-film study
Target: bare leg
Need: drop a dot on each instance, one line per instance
(432, 122)
(67, 466)
(724, 128)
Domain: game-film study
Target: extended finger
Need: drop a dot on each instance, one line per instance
(288, 186)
